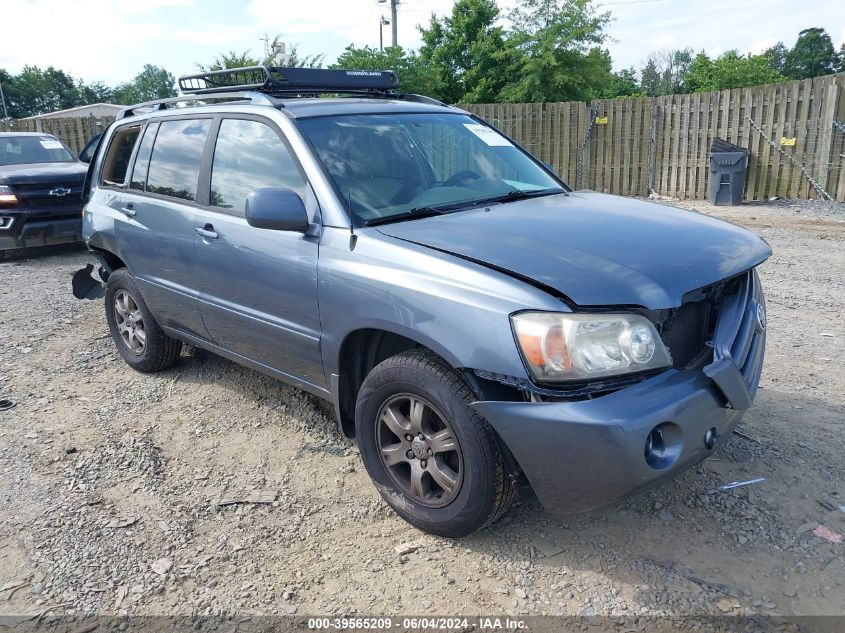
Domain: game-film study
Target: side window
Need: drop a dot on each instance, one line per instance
(142, 160)
(177, 154)
(250, 155)
(118, 155)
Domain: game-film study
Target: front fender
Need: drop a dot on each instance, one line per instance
(458, 309)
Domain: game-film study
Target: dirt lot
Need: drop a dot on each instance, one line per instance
(109, 481)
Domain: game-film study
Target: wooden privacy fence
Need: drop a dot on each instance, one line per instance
(633, 146)
(75, 132)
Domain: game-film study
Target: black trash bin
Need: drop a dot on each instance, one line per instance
(728, 164)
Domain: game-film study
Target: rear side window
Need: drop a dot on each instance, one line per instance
(118, 155)
(177, 154)
(250, 155)
(142, 160)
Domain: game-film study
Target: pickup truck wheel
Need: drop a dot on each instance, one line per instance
(434, 460)
(137, 336)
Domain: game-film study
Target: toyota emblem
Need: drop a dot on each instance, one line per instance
(761, 317)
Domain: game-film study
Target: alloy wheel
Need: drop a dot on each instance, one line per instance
(419, 450)
(129, 322)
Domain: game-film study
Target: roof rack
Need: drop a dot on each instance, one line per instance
(261, 85)
(252, 97)
(278, 81)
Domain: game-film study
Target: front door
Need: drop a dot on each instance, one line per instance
(257, 287)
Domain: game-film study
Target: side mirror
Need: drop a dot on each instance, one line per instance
(87, 152)
(548, 166)
(276, 208)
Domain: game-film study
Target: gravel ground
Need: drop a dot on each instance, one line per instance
(109, 481)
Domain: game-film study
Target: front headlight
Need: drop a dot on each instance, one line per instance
(560, 347)
(7, 196)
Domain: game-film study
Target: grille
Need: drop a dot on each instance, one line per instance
(38, 197)
(44, 202)
(687, 331)
(741, 332)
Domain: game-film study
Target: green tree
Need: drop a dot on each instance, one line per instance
(150, 84)
(415, 74)
(621, 84)
(469, 53)
(729, 70)
(812, 56)
(561, 58)
(664, 71)
(95, 92)
(230, 59)
(777, 57)
(277, 53)
(37, 91)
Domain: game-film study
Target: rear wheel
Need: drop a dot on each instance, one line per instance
(138, 337)
(434, 460)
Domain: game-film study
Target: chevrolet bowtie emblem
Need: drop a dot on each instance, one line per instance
(59, 191)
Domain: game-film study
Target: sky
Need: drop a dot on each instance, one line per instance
(111, 40)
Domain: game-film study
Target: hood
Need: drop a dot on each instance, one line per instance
(593, 248)
(43, 173)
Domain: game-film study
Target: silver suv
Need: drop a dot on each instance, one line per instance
(477, 325)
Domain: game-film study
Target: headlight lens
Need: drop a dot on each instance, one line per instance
(7, 196)
(560, 347)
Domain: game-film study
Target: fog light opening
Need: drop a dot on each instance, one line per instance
(663, 445)
(6, 222)
(710, 438)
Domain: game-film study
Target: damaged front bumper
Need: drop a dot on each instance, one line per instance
(586, 454)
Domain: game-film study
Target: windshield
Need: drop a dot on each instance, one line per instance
(19, 150)
(397, 165)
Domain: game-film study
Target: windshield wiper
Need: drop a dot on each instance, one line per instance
(518, 194)
(426, 212)
(411, 214)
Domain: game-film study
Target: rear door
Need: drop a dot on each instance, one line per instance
(257, 287)
(159, 202)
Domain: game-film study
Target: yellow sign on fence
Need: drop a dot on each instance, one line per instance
(788, 142)
(601, 120)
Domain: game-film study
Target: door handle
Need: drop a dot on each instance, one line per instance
(128, 210)
(207, 232)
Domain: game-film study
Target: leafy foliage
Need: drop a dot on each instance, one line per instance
(812, 55)
(151, 83)
(665, 72)
(559, 52)
(729, 70)
(543, 50)
(417, 75)
(469, 54)
(277, 53)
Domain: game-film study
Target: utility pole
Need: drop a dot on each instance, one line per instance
(381, 24)
(393, 4)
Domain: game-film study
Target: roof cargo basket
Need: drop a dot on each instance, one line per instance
(277, 81)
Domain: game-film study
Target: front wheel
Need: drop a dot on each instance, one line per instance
(138, 337)
(434, 460)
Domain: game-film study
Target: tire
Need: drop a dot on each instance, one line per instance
(455, 446)
(129, 320)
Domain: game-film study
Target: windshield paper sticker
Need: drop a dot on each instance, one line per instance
(488, 135)
(49, 143)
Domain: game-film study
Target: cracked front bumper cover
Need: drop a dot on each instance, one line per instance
(587, 454)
